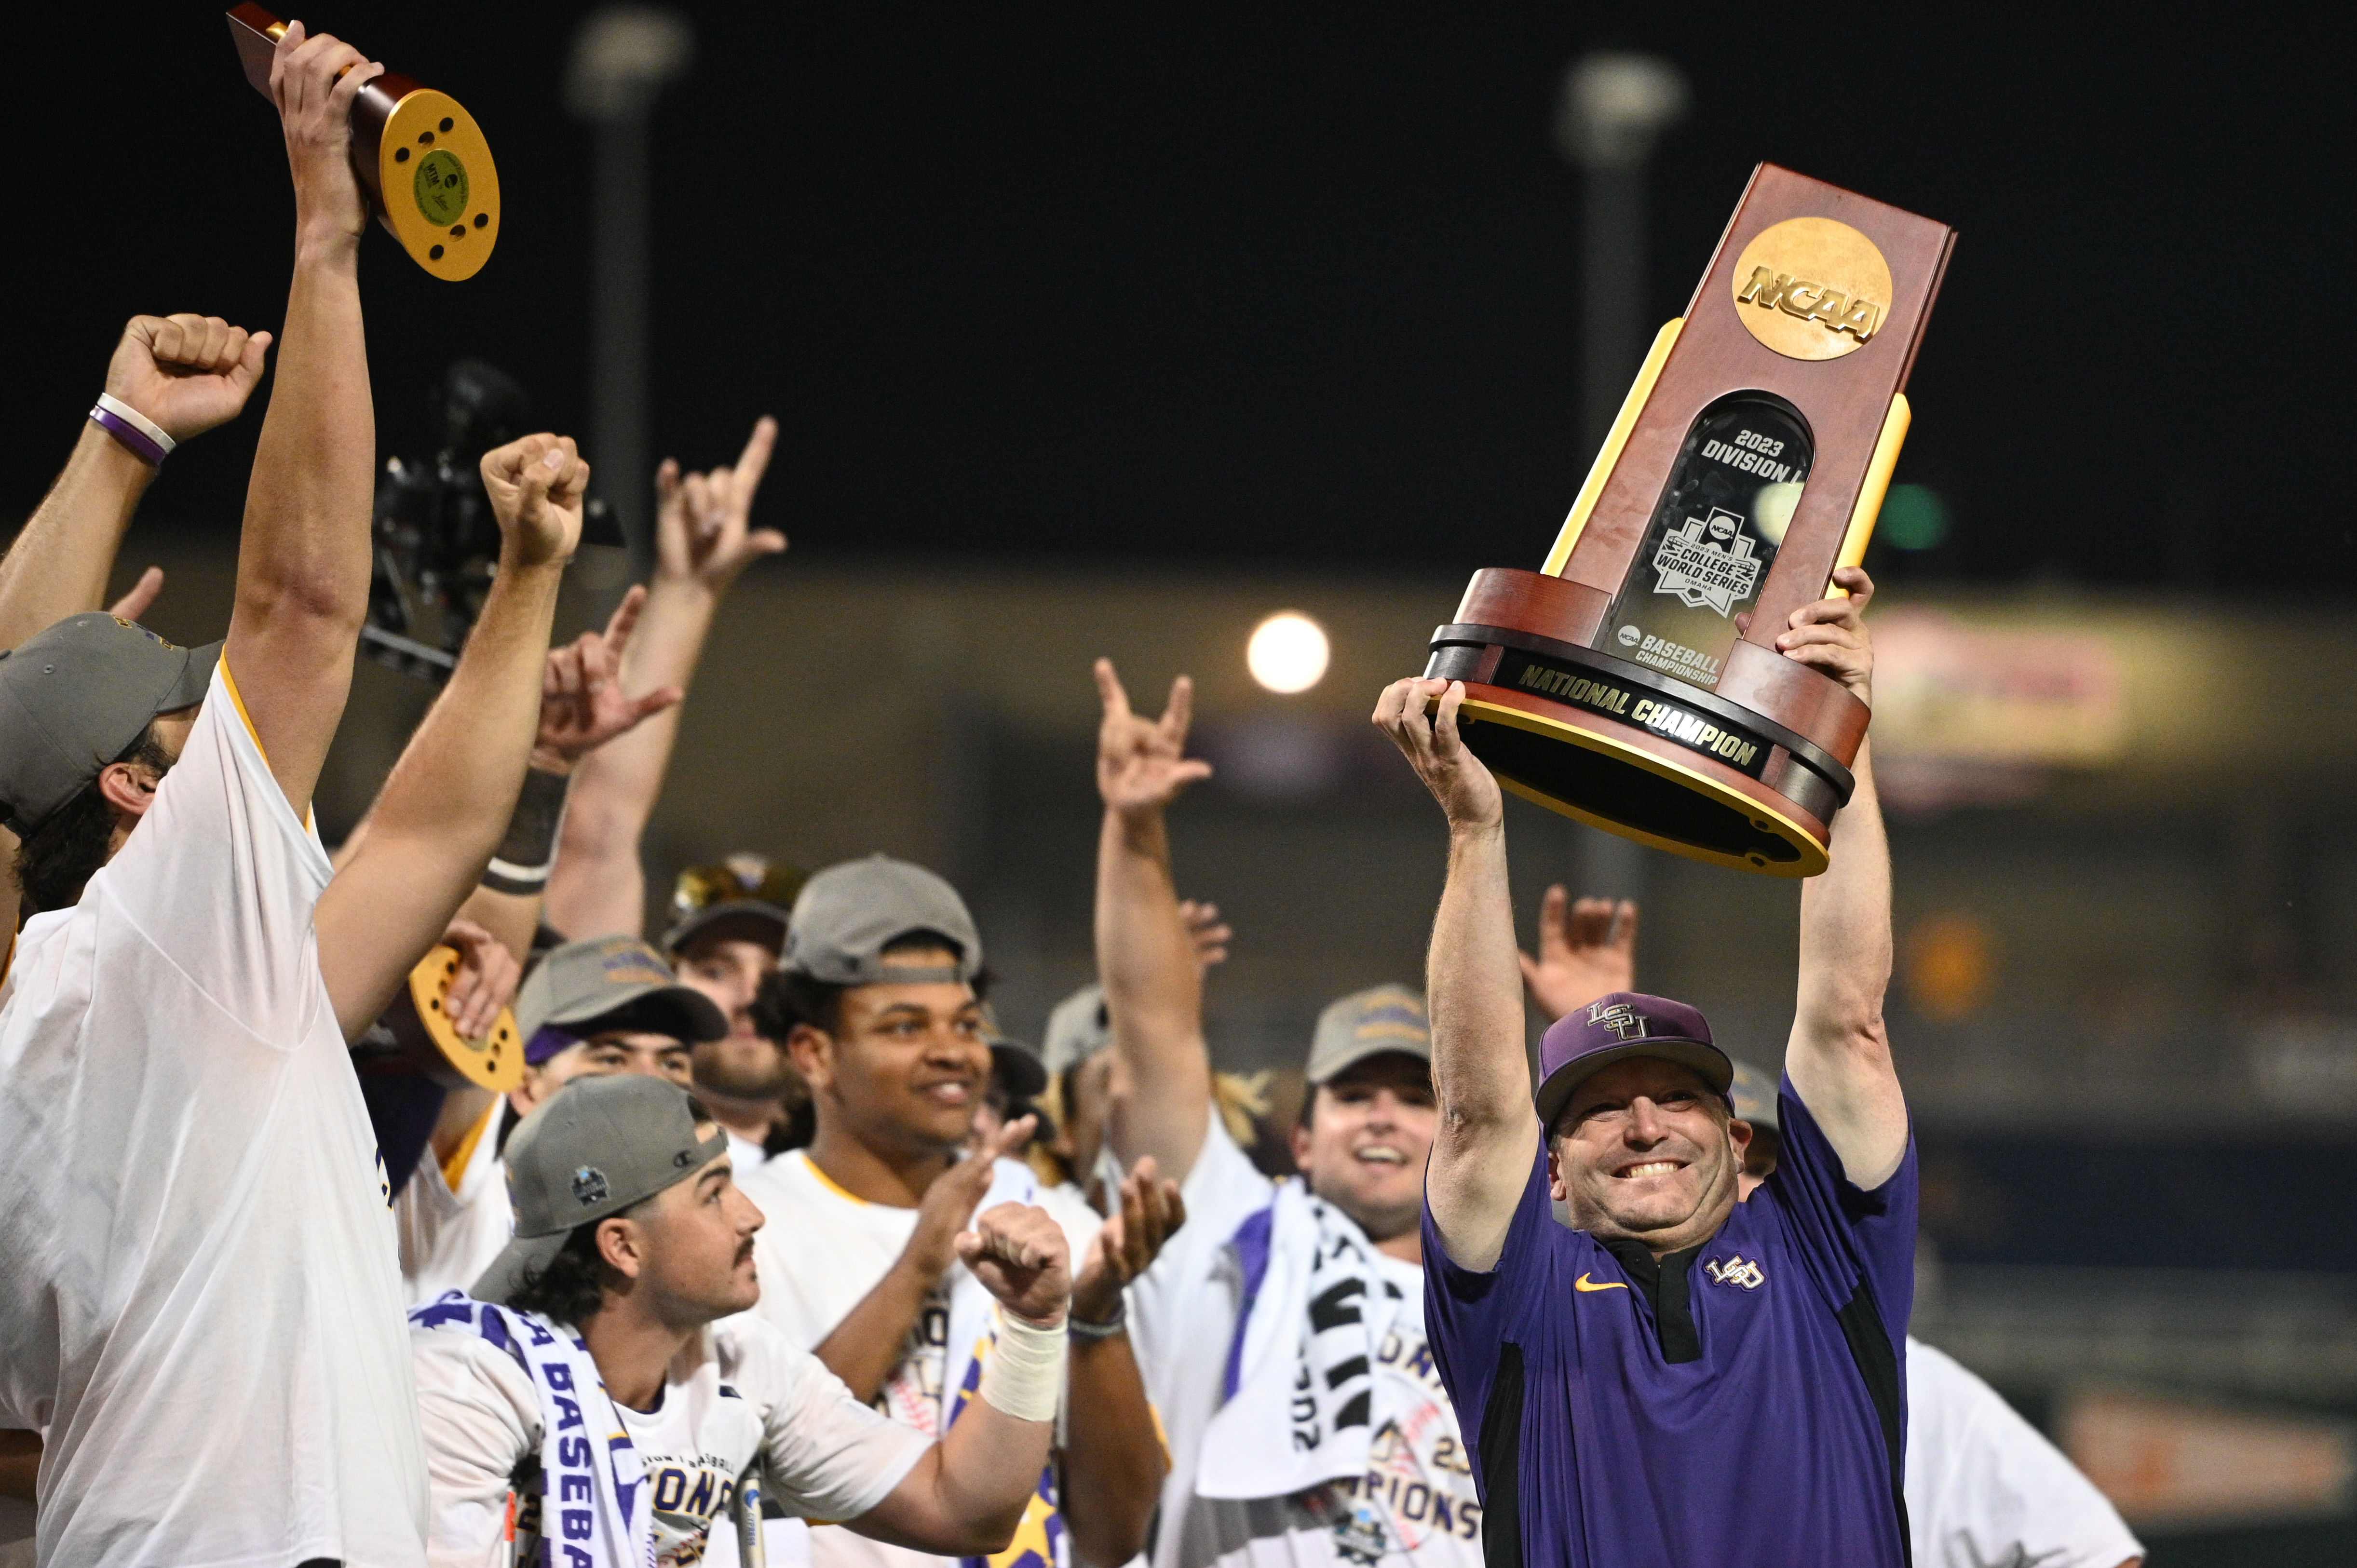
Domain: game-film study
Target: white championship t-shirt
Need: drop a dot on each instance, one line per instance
(1182, 1318)
(819, 1254)
(741, 1390)
(449, 1235)
(1986, 1490)
(200, 1299)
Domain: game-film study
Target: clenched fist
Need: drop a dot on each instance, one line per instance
(1021, 1256)
(186, 372)
(537, 486)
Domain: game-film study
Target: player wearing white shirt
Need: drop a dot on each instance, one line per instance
(217, 1319)
(611, 1313)
(1311, 1284)
(877, 1001)
(1986, 1490)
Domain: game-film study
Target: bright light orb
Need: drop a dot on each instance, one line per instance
(1287, 652)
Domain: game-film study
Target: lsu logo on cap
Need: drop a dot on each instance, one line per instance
(1625, 1022)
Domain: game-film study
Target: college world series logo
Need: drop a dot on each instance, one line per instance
(1708, 561)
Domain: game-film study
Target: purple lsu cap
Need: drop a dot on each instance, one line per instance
(1613, 1028)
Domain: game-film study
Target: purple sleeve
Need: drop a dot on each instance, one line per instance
(1469, 1317)
(1847, 1233)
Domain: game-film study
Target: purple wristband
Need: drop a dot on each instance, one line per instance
(130, 434)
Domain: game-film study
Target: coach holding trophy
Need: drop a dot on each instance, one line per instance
(1674, 1378)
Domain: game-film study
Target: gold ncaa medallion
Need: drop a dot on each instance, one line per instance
(1811, 288)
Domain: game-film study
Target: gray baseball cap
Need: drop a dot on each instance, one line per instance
(1078, 1029)
(74, 697)
(1367, 1024)
(848, 914)
(1753, 1093)
(613, 982)
(597, 1145)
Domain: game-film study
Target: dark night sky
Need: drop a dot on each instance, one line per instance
(1233, 285)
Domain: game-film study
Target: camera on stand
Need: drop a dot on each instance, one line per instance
(436, 541)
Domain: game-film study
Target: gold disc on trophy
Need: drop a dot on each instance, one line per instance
(1811, 288)
(496, 1061)
(441, 188)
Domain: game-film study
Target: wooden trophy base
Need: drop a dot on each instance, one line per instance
(424, 1041)
(421, 160)
(1748, 777)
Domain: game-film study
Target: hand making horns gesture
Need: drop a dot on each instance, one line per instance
(1142, 764)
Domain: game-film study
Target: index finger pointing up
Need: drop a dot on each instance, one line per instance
(754, 461)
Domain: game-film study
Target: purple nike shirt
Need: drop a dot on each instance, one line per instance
(1738, 1405)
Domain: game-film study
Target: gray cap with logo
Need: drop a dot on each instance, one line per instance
(1369, 1023)
(848, 914)
(1080, 1027)
(613, 982)
(74, 697)
(599, 1145)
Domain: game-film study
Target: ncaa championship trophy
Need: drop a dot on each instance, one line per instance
(421, 158)
(1633, 681)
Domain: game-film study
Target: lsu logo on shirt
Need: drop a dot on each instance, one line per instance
(1738, 1271)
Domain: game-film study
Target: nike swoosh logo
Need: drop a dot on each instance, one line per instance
(1583, 1283)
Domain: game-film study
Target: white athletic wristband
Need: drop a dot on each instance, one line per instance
(137, 421)
(1024, 1374)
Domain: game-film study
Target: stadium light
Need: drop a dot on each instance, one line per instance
(622, 56)
(1287, 653)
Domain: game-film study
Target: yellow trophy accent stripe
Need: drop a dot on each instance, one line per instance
(1863, 517)
(1813, 853)
(1607, 457)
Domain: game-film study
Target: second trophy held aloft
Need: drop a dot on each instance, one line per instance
(1633, 681)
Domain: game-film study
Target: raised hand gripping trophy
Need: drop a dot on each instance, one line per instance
(420, 156)
(1633, 681)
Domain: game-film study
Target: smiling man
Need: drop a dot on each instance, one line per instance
(619, 1312)
(1676, 1379)
(878, 1001)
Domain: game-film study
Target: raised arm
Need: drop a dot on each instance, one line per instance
(442, 810)
(1839, 1058)
(183, 373)
(1489, 1133)
(704, 539)
(1146, 954)
(303, 560)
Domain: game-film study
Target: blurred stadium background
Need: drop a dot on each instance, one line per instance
(1116, 335)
